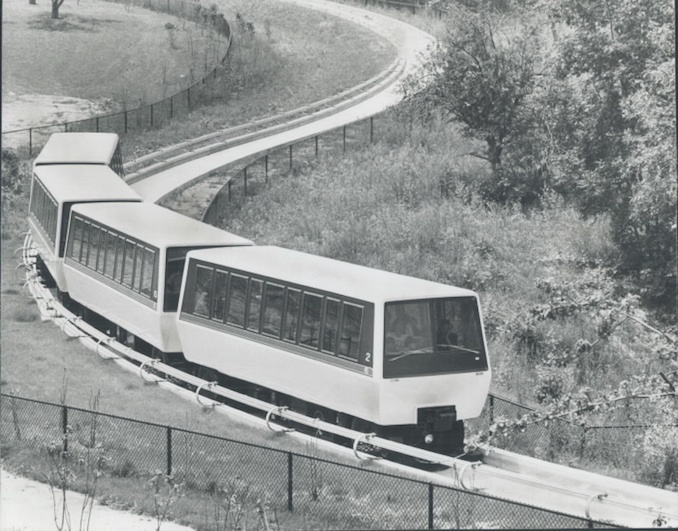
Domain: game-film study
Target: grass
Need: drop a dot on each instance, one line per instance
(292, 58)
(80, 54)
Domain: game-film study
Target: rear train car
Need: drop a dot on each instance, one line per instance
(101, 149)
(364, 348)
(124, 262)
(55, 189)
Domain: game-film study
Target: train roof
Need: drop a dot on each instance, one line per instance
(327, 274)
(74, 183)
(158, 226)
(78, 148)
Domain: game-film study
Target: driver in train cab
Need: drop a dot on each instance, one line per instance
(403, 334)
(446, 335)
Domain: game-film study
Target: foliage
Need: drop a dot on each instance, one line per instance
(482, 75)
(587, 109)
(615, 129)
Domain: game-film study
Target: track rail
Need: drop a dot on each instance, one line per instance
(499, 473)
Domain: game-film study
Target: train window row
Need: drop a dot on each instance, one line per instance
(291, 314)
(45, 209)
(114, 255)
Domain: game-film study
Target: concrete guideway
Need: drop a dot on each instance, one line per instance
(410, 42)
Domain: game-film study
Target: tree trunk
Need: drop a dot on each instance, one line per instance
(494, 149)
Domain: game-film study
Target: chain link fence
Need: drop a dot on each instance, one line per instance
(317, 490)
(157, 114)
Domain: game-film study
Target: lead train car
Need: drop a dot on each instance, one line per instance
(54, 191)
(125, 261)
(364, 348)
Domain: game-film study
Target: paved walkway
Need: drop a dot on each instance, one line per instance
(27, 505)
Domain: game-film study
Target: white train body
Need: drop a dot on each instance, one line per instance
(54, 190)
(384, 381)
(120, 261)
(368, 349)
(82, 148)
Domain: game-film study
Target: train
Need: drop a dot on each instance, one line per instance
(378, 352)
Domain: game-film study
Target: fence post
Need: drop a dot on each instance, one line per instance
(290, 157)
(244, 178)
(125, 122)
(66, 127)
(169, 450)
(229, 189)
(30, 142)
(151, 116)
(290, 484)
(171, 107)
(371, 129)
(344, 139)
(64, 426)
(266, 166)
(430, 505)
(97, 124)
(189, 99)
(491, 409)
(316, 145)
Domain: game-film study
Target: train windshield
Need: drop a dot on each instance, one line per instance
(436, 336)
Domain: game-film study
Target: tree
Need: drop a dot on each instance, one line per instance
(56, 4)
(615, 127)
(483, 75)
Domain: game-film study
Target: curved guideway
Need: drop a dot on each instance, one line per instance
(411, 44)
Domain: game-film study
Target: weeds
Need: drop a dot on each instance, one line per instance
(166, 490)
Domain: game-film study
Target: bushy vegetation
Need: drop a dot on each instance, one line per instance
(577, 98)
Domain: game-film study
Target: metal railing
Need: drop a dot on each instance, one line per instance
(325, 493)
(152, 115)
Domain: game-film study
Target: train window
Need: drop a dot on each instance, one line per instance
(92, 247)
(128, 269)
(138, 266)
(351, 325)
(174, 270)
(292, 302)
(76, 239)
(45, 210)
(331, 325)
(119, 256)
(203, 291)
(310, 320)
(109, 262)
(147, 275)
(220, 291)
(85, 242)
(254, 306)
(273, 305)
(103, 236)
(237, 297)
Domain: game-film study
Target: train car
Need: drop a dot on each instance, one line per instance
(372, 350)
(54, 191)
(124, 262)
(82, 148)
